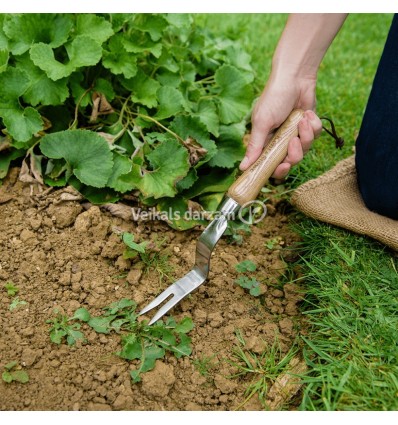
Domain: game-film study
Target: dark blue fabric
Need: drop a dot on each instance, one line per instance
(377, 142)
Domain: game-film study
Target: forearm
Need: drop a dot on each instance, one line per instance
(304, 42)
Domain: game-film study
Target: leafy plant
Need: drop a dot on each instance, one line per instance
(247, 282)
(138, 340)
(11, 289)
(204, 364)
(111, 103)
(11, 375)
(273, 242)
(61, 328)
(15, 303)
(132, 248)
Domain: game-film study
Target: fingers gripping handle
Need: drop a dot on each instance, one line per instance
(248, 185)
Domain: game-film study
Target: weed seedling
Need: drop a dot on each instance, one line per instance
(246, 282)
(138, 340)
(61, 327)
(10, 375)
(15, 303)
(132, 248)
(204, 364)
(11, 289)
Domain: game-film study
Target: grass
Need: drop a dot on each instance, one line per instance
(351, 282)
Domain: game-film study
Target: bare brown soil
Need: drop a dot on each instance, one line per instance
(62, 256)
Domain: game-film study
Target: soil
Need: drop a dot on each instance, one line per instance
(65, 254)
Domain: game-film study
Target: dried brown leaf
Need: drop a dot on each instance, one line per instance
(196, 151)
(101, 106)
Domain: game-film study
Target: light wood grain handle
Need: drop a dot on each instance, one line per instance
(248, 185)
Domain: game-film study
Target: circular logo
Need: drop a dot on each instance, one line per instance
(252, 212)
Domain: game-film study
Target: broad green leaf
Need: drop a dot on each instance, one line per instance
(5, 160)
(171, 102)
(150, 23)
(169, 162)
(13, 84)
(20, 123)
(230, 147)
(188, 126)
(124, 175)
(4, 56)
(117, 59)
(74, 336)
(41, 89)
(188, 180)
(96, 27)
(136, 42)
(56, 335)
(87, 154)
(3, 38)
(176, 213)
(185, 326)
(143, 89)
(207, 114)
(211, 202)
(26, 29)
(255, 291)
(82, 51)
(118, 306)
(236, 95)
(82, 314)
(179, 20)
(214, 180)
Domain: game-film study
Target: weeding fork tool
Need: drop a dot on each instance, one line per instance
(243, 190)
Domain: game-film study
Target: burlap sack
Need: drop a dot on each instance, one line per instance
(334, 198)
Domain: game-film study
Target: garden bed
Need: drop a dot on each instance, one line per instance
(66, 254)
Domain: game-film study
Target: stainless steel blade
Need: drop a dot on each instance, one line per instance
(204, 247)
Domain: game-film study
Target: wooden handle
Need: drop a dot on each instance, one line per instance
(248, 185)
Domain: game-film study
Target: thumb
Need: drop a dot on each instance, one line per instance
(258, 138)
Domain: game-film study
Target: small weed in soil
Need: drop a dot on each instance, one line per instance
(11, 289)
(138, 340)
(245, 281)
(11, 375)
(264, 368)
(15, 303)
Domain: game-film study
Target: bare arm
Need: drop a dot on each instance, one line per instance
(301, 48)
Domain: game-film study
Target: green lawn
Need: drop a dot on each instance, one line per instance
(351, 282)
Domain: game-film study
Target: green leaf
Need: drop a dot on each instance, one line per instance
(7, 377)
(125, 174)
(41, 89)
(26, 29)
(207, 114)
(13, 83)
(171, 102)
(188, 180)
(20, 376)
(128, 239)
(150, 23)
(185, 326)
(74, 336)
(177, 214)
(21, 124)
(255, 291)
(184, 347)
(10, 365)
(82, 314)
(6, 158)
(101, 324)
(118, 306)
(56, 335)
(230, 147)
(87, 154)
(188, 126)
(117, 59)
(214, 180)
(169, 163)
(143, 89)
(246, 266)
(235, 95)
(140, 43)
(82, 51)
(95, 27)
(4, 56)
(131, 348)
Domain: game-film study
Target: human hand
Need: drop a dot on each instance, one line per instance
(281, 95)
